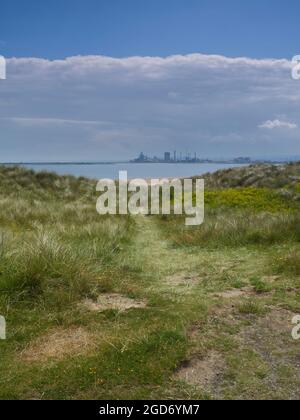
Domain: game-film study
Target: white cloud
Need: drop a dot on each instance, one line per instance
(271, 125)
(92, 107)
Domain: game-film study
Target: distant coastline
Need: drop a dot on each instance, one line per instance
(188, 158)
(242, 161)
(62, 163)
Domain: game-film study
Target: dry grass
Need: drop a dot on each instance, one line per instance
(236, 228)
(59, 344)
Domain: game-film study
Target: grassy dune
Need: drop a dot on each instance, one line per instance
(143, 307)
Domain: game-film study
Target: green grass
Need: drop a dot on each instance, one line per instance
(229, 287)
(236, 228)
(288, 263)
(250, 307)
(259, 285)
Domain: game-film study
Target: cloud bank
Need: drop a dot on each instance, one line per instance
(98, 108)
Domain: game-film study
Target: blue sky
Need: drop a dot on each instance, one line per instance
(108, 79)
(119, 28)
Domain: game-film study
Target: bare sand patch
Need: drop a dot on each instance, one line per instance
(59, 344)
(235, 293)
(113, 301)
(182, 280)
(276, 323)
(279, 319)
(204, 373)
(270, 337)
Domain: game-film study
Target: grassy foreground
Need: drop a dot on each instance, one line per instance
(143, 307)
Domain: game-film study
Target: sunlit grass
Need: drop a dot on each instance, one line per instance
(207, 289)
